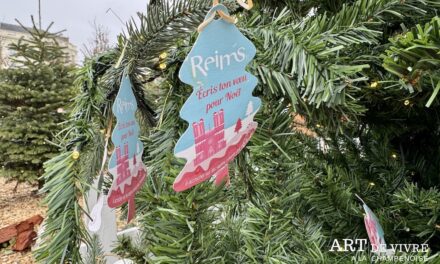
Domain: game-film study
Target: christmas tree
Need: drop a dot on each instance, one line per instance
(360, 74)
(238, 126)
(34, 95)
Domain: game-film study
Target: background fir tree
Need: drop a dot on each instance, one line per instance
(360, 73)
(34, 95)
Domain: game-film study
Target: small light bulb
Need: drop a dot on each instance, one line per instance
(163, 66)
(372, 184)
(407, 102)
(394, 156)
(374, 84)
(75, 154)
(163, 55)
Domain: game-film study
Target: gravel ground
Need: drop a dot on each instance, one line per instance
(16, 207)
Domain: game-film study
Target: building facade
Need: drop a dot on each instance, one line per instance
(209, 142)
(12, 33)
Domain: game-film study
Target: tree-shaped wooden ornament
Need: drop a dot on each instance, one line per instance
(221, 108)
(126, 163)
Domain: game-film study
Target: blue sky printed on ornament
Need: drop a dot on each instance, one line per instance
(215, 68)
(127, 128)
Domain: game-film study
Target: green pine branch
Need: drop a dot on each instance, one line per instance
(64, 228)
(414, 57)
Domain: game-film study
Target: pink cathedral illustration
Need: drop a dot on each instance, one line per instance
(209, 142)
(123, 164)
(130, 174)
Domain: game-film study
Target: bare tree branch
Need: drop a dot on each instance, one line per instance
(99, 42)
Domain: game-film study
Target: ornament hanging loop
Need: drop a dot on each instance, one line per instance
(247, 6)
(223, 14)
(211, 16)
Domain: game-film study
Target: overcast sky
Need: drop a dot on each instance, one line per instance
(75, 16)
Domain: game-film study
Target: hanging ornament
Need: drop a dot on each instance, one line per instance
(221, 108)
(125, 163)
(374, 230)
